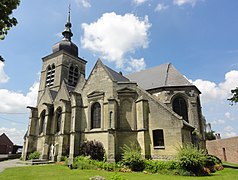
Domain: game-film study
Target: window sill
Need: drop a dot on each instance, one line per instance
(96, 129)
(159, 147)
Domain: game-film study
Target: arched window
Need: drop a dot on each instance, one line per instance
(73, 75)
(180, 107)
(50, 75)
(58, 119)
(96, 115)
(42, 121)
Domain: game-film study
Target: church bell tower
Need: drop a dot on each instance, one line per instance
(62, 65)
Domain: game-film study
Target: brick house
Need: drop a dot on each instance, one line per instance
(6, 145)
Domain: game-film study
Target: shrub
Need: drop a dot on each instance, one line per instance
(34, 155)
(132, 158)
(94, 149)
(82, 162)
(192, 159)
(64, 158)
(211, 161)
(161, 166)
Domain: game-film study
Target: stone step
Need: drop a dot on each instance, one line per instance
(36, 162)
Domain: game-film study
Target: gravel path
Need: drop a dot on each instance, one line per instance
(10, 163)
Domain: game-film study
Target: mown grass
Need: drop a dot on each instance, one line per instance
(59, 172)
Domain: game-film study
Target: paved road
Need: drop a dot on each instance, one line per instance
(10, 163)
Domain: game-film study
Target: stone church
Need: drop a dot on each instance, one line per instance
(158, 108)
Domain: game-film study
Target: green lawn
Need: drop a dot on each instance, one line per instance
(58, 172)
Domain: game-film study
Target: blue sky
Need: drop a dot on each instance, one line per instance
(199, 37)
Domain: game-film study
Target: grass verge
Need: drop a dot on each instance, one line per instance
(59, 172)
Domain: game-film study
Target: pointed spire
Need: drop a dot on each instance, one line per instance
(67, 31)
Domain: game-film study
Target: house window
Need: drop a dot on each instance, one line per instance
(158, 138)
(42, 120)
(96, 115)
(50, 75)
(58, 119)
(180, 107)
(73, 75)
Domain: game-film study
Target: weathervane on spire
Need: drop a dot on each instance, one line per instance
(69, 12)
(67, 31)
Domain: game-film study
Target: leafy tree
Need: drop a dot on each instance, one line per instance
(234, 98)
(6, 20)
(1, 59)
(210, 135)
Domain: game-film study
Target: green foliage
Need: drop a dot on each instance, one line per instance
(56, 172)
(117, 177)
(211, 160)
(210, 135)
(132, 158)
(162, 167)
(64, 158)
(234, 98)
(6, 21)
(192, 159)
(34, 155)
(94, 149)
(82, 162)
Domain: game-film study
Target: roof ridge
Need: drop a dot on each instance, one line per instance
(167, 74)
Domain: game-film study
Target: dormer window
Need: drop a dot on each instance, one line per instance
(50, 76)
(73, 75)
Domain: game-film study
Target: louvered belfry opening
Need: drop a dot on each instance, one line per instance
(50, 76)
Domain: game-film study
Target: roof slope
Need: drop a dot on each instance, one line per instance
(159, 76)
(115, 75)
(5, 140)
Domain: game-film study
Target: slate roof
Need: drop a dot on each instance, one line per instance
(165, 75)
(115, 75)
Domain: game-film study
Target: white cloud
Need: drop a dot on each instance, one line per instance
(228, 115)
(139, 2)
(136, 65)
(160, 7)
(15, 135)
(12, 101)
(213, 92)
(229, 131)
(183, 2)
(115, 36)
(3, 77)
(219, 121)
(84, 3)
